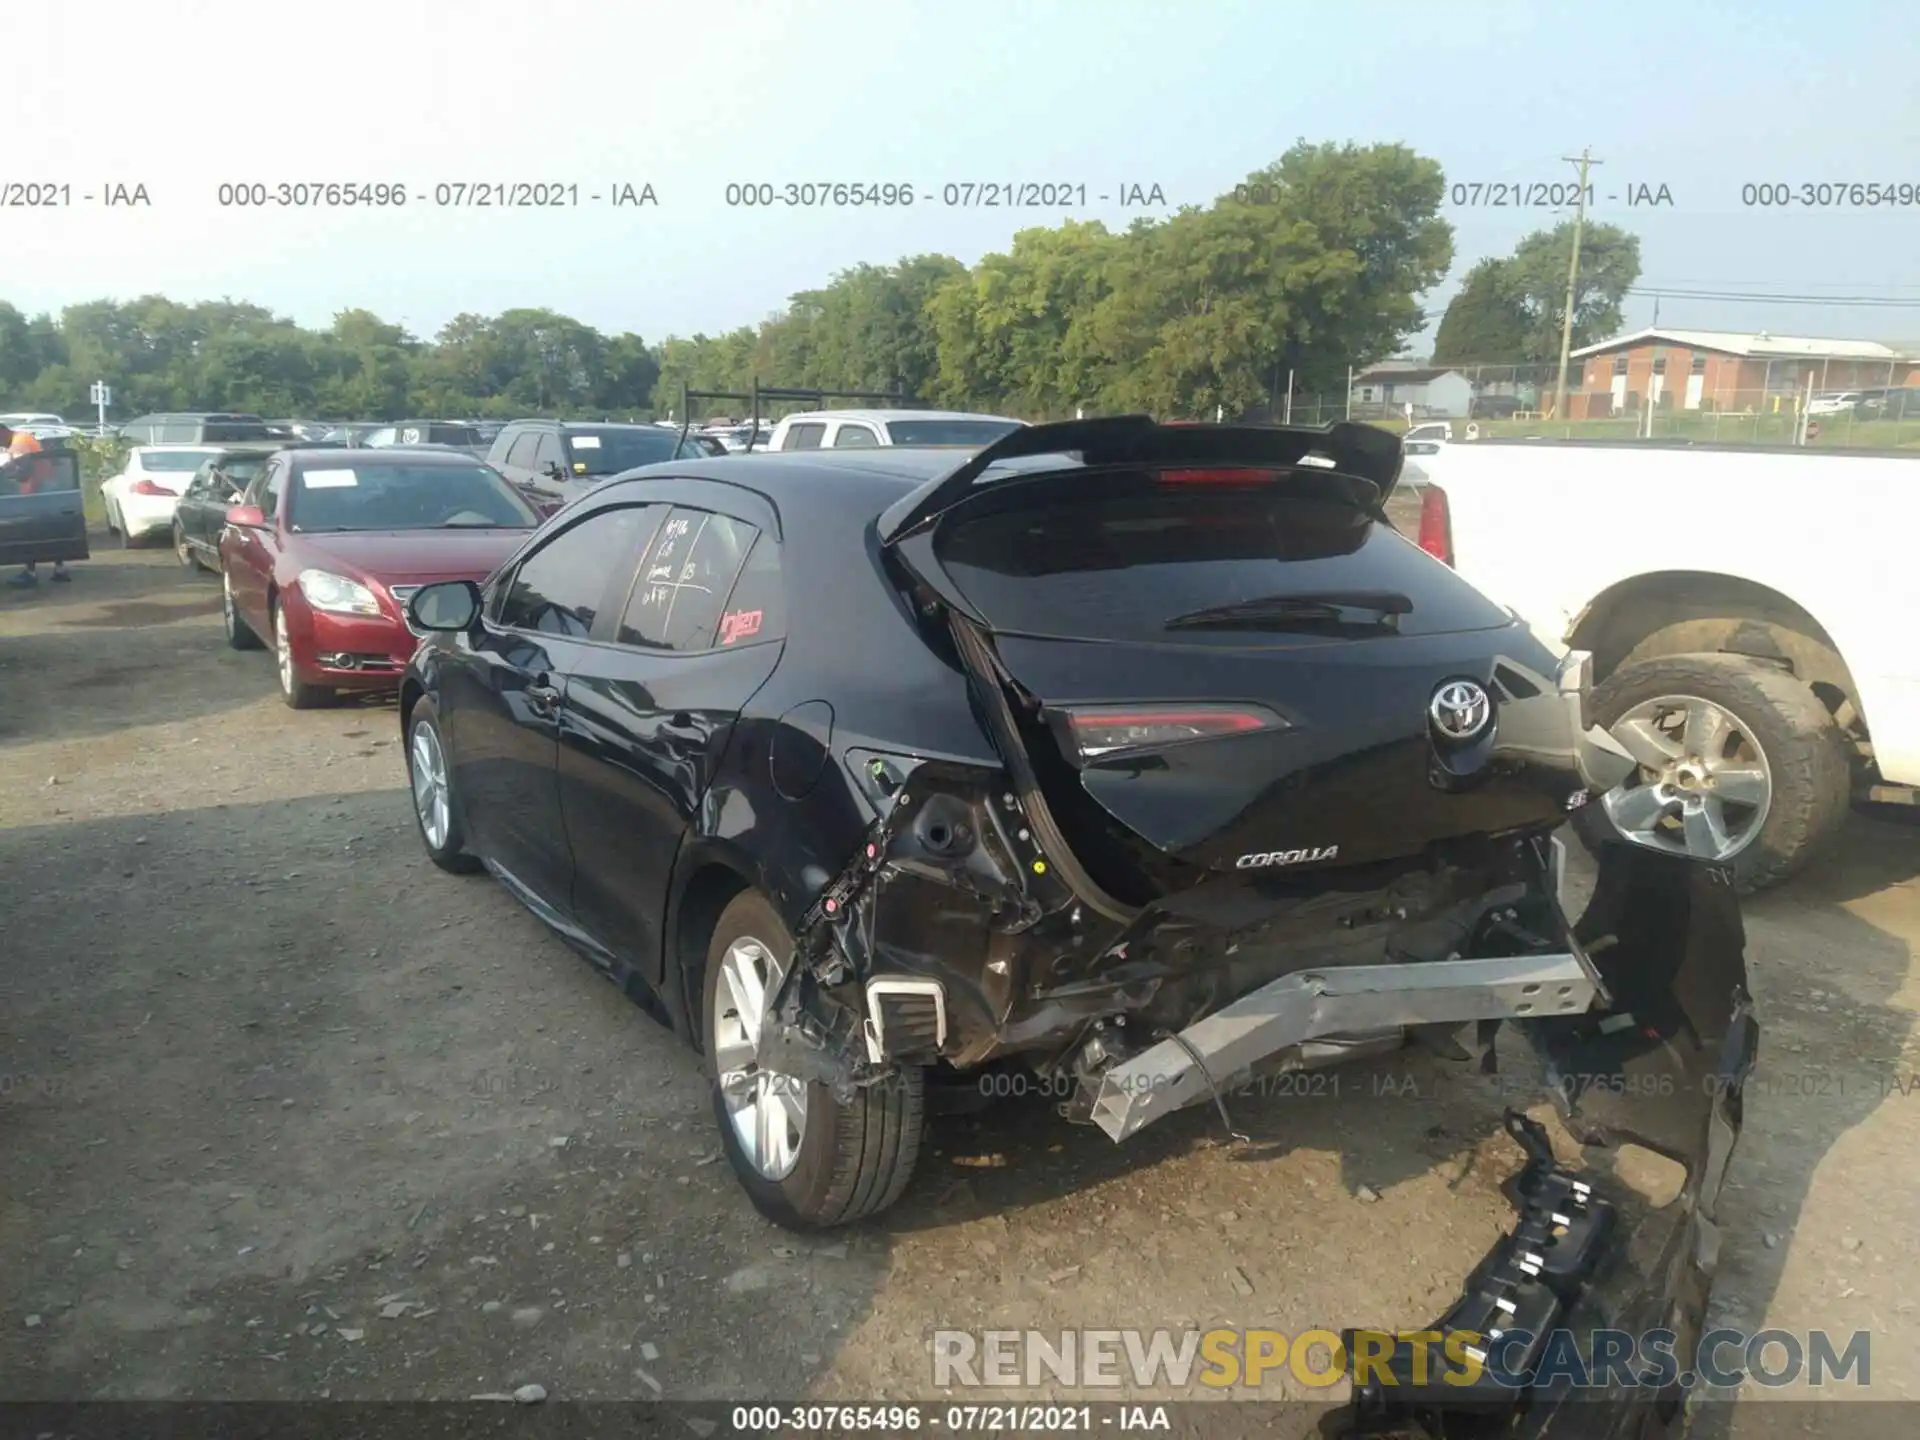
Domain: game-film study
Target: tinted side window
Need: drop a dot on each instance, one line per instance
(521, 454)
(557, 590)
(179, 432)
(271, 484)
(684, 581)
(851, 437)
(804, 437)
(757, 608)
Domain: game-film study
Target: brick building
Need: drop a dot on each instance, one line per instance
(1726, 370)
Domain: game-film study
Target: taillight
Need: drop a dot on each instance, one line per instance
(1090, 731)
(147, 487)
(1436, 523)
(1238, 475)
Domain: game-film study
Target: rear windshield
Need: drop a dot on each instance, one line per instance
(393, 495)
(1120, 566)
(157, 462)
(234, 430)
(243, 467)
(949, 432)
(609, 451)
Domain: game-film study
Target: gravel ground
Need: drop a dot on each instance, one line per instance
(288, 1113)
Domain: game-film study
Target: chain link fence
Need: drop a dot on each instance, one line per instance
(1789, 407)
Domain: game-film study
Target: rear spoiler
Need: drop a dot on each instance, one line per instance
(1364, 452)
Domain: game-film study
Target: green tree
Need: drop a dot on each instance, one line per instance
(1012, 333)
(1486, 322)
(1537, 275)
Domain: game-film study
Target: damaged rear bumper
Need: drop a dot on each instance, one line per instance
(1636, 1024)
(1591, 1259)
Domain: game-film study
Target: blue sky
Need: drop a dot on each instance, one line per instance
(183, 96)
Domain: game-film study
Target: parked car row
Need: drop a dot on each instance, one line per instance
(1893, 403)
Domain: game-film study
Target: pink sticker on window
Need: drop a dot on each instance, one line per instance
(738, 624)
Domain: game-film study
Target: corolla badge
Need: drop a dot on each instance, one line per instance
(1260, 859)
(1460, 710)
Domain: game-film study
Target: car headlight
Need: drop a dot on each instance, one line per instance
(337, 594)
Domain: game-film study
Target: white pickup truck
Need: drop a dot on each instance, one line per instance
(1750, 616)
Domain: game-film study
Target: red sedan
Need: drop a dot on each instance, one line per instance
(324, 548)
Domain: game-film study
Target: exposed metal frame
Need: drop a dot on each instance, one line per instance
(1311, 1005)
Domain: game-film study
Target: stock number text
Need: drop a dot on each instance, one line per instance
(310, 194)
(817, 194)
(1830, 195)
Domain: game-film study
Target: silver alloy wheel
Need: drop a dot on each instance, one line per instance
(228, 616)
(768, 1109)
(430, 798)
(282, 649)
(1704, 787)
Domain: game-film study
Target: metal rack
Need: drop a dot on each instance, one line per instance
(895, 399)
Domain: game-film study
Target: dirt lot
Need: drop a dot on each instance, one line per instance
(288, 1113)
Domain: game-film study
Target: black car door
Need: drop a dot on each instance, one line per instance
(517, 464)
(549, 475)
(42, 510)
(196, 510)
(650, 707)
(501, 700)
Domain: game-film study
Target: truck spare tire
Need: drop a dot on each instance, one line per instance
(1740, 763)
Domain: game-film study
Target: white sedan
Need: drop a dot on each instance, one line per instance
(140, 500)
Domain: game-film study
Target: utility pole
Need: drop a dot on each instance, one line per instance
(1584, 159)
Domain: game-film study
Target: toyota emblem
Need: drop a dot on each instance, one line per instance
(1460, 710)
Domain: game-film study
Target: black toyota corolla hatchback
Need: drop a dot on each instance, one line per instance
(1133, 754)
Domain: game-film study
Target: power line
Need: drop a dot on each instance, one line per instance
(1717, 283)
(1757, 298)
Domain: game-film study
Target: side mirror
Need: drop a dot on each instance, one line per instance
(555, 470)
(246, 517)
(449, 606)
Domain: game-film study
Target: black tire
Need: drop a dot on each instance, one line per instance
(239, 637)
(451, 854)
(1806, 752)
(188, 557)
(298, 694)
(854, 1160)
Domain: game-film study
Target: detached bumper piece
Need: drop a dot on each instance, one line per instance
(906, 1017)
(1216, 1052)
(1468, 1362)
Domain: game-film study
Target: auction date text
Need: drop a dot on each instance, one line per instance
(63, 194)
(443, 195)
(959, 195)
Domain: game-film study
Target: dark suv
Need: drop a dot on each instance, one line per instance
(1898, 403)
(556, 460)
(200, 427)
(455, 433)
